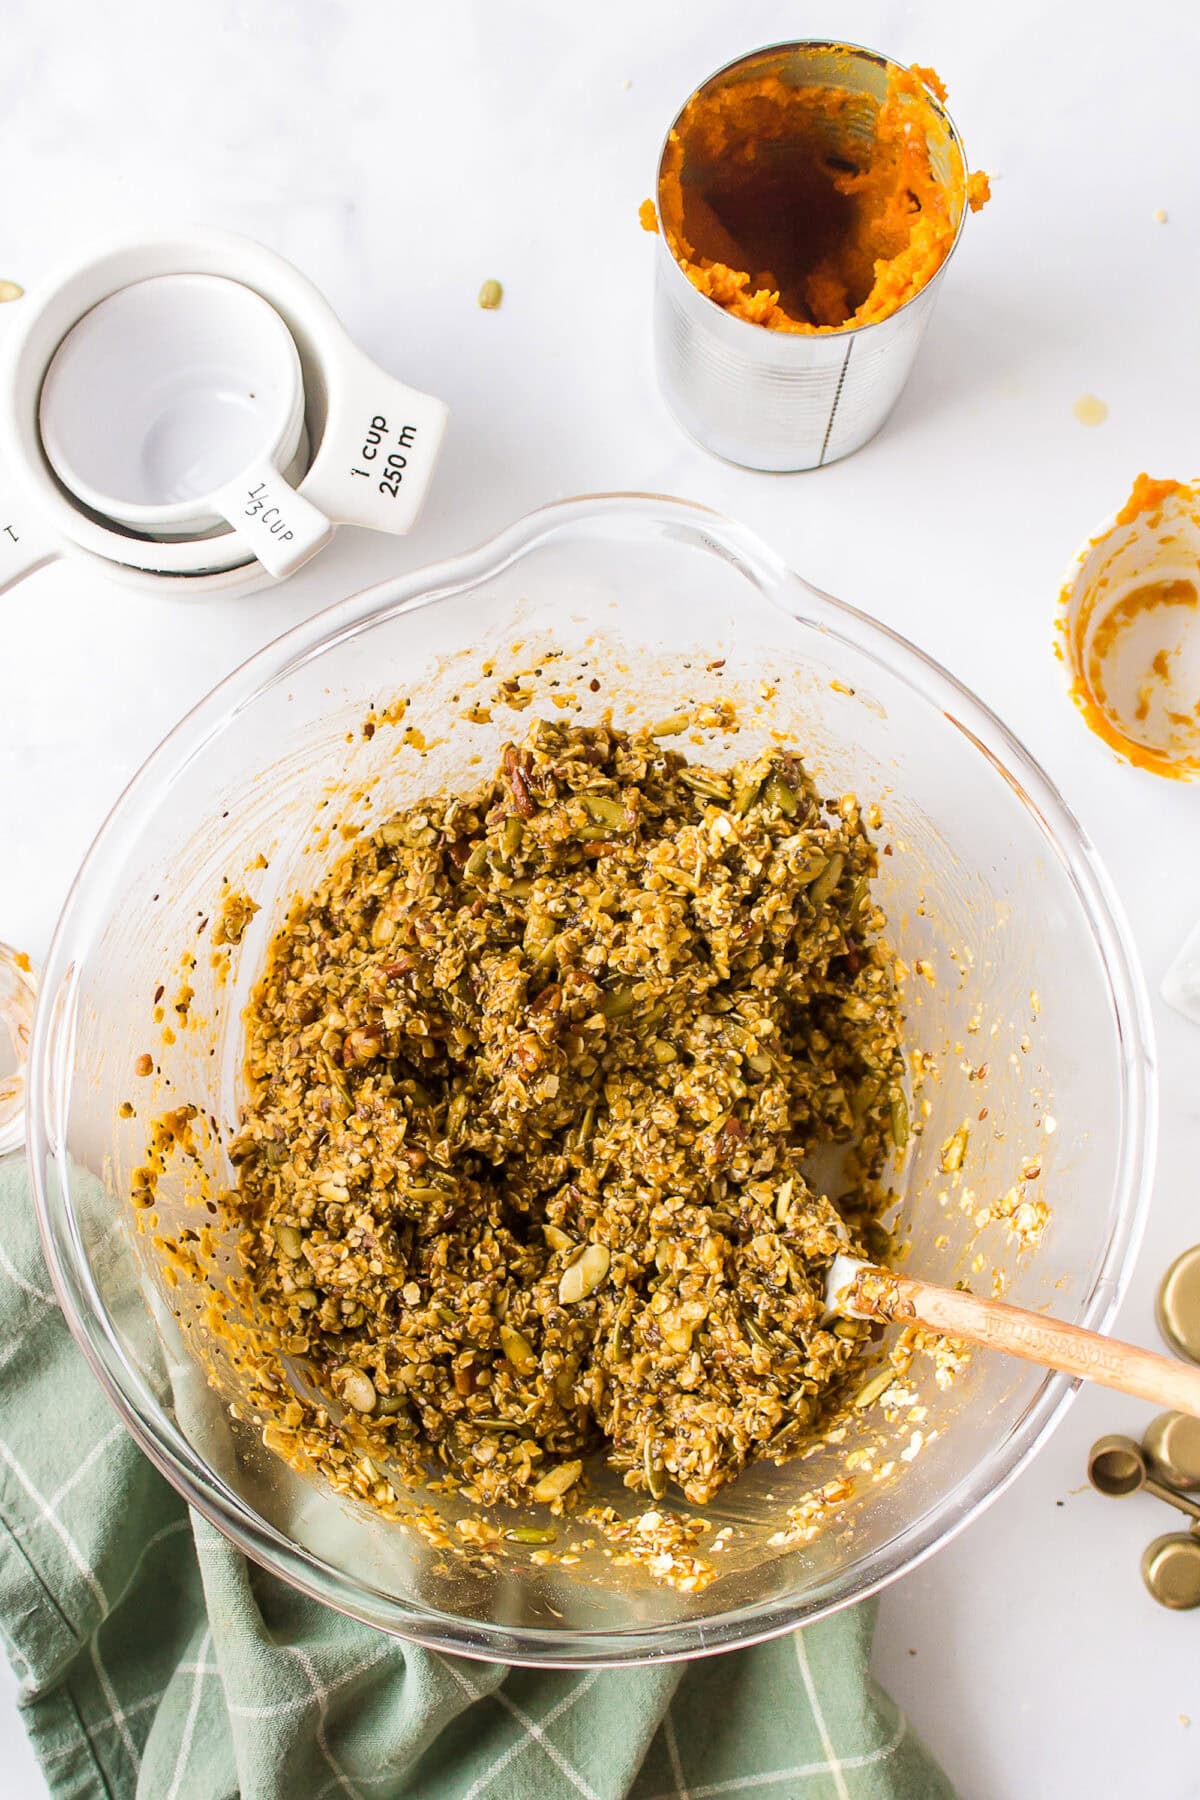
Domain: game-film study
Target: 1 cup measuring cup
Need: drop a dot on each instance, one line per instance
(366, 443)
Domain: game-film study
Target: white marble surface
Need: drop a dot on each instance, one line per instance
(400, 156)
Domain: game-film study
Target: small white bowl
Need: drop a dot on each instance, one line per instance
(1131, 628)
(162, 394)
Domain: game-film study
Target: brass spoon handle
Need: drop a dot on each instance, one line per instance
(1181, 1501)
(1083, 1354)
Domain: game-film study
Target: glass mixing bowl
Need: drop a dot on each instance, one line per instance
(1024, 991)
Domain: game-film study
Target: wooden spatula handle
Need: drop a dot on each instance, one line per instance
(1160, 1379)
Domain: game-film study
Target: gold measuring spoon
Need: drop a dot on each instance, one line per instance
(1117, 1466)
(1171, 1571)
(1171, 1445)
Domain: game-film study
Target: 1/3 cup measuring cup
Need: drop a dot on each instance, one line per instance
(163, 394)
(373, 441)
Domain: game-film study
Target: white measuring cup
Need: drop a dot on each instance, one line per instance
(373, 440)
(165, 393)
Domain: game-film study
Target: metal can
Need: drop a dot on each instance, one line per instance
(780, 400)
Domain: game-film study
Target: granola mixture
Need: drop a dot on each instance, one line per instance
(535, 1076)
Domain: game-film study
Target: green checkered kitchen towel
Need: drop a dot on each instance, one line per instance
(156, 1662)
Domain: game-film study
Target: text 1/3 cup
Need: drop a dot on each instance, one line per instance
(787, 400)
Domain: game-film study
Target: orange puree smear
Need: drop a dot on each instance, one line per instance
(1091, 694)
(1092, 699)
(810, 209)
(1147, 495)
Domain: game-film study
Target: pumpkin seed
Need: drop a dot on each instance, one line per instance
(289, 1240)
(871, 1390)
(865, 1096)
(358, 1390)
(785, 1436)
(511, 834)
(777, 793)
(618, 1004)
(899, 1121)
(755, 1333)
(476, 863)
(584, 1275)
(602, 810)
(701, 782)
(656, 1475)
(391, 1404)
(671, 726)
(529, 1534)
(554, 1485)
(518, 1349)
(745, 796)
(822, 888)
